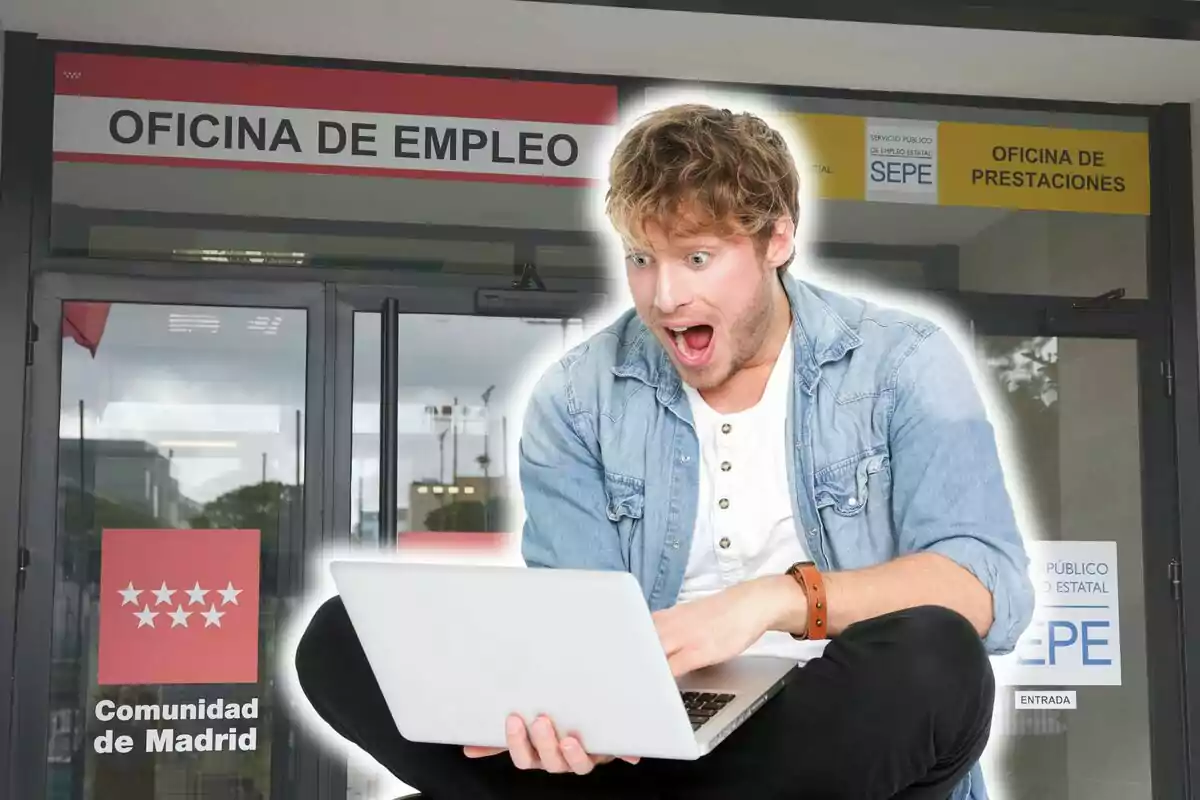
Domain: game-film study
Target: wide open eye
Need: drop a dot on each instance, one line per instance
(698, 259)
(638, 260)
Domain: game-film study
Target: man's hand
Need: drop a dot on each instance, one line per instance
(540, 747)
(719, 627)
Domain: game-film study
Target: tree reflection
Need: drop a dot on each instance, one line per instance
(469, 516)
(1030, 368)
(1026, 370)
(270, 507)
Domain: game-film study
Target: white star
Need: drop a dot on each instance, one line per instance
(163, 594)
(212, 617)
(196, 594)
(229, 594)
(179, 617)
(129, 594)
(146, 617)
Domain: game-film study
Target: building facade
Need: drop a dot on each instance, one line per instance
(256, 306)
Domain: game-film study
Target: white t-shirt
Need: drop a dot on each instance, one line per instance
(745, 525)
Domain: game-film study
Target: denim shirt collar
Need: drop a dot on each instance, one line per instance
(820, 336)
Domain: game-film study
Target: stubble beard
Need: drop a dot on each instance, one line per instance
(746, 337)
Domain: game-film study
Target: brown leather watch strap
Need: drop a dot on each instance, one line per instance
(812, 582)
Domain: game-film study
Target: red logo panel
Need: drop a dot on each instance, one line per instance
(178, 606)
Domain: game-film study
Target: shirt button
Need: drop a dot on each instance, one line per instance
(853, 501)
(725, 543)
(723, 502)
(726, 466)
(812, 532)
(675, 544)
(726, 428)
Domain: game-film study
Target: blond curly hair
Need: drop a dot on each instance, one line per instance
(692, 168)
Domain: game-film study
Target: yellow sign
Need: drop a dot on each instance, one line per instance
(834, 146)
(996, 166)
(1043, 169)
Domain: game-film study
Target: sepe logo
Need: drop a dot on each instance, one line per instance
(178, 606)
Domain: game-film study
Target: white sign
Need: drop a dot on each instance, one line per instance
(902, 161)
(1024, 701)
(120, 109)
(97, 127)
(1075, 636)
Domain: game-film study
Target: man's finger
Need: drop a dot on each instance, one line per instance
(576, 757)
(472, 751)
(684, 661)
(607, 759)
(519, 747)
(545, 741)
(668, 636)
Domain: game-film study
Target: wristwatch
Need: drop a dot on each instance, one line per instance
(812, 583)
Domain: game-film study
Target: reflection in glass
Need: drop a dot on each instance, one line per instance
(171, 418)
(143, 211)
(364, 459)
(459, 409)
(1026, 372)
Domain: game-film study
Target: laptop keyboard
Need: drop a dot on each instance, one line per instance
(703, 706)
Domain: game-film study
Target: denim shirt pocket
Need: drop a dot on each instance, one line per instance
(853, 499)
(625, 499)
(847, 488)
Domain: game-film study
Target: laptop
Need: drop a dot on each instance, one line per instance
(457, 649)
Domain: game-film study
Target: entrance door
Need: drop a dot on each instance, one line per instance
(176, 429)
(1082, 406)
(457, 375)
(459, 371)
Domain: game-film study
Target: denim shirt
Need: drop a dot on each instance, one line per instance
(891, 453)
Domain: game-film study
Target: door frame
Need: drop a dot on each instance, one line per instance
(39, 531)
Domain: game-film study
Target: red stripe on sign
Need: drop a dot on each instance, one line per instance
(98, 75)
(318, 169)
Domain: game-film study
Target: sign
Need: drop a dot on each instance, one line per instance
(834, 149)
(178, 606)
(968, 164)
(121, 109)
(1026, 701)
(902, 161)
(1075, 636)
(199, 727)
(1047, 169)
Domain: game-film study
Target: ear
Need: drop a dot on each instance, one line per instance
(781, 247)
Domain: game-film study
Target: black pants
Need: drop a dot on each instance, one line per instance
(898, 707)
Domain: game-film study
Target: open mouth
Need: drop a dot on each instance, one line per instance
(693, 343)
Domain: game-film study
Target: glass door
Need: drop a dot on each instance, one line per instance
(176, 434)
(460, 372)
(457, 417)
(459, 382)
(1089, 705)
(1073, 414)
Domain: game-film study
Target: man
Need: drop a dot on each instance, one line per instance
(785, 470)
